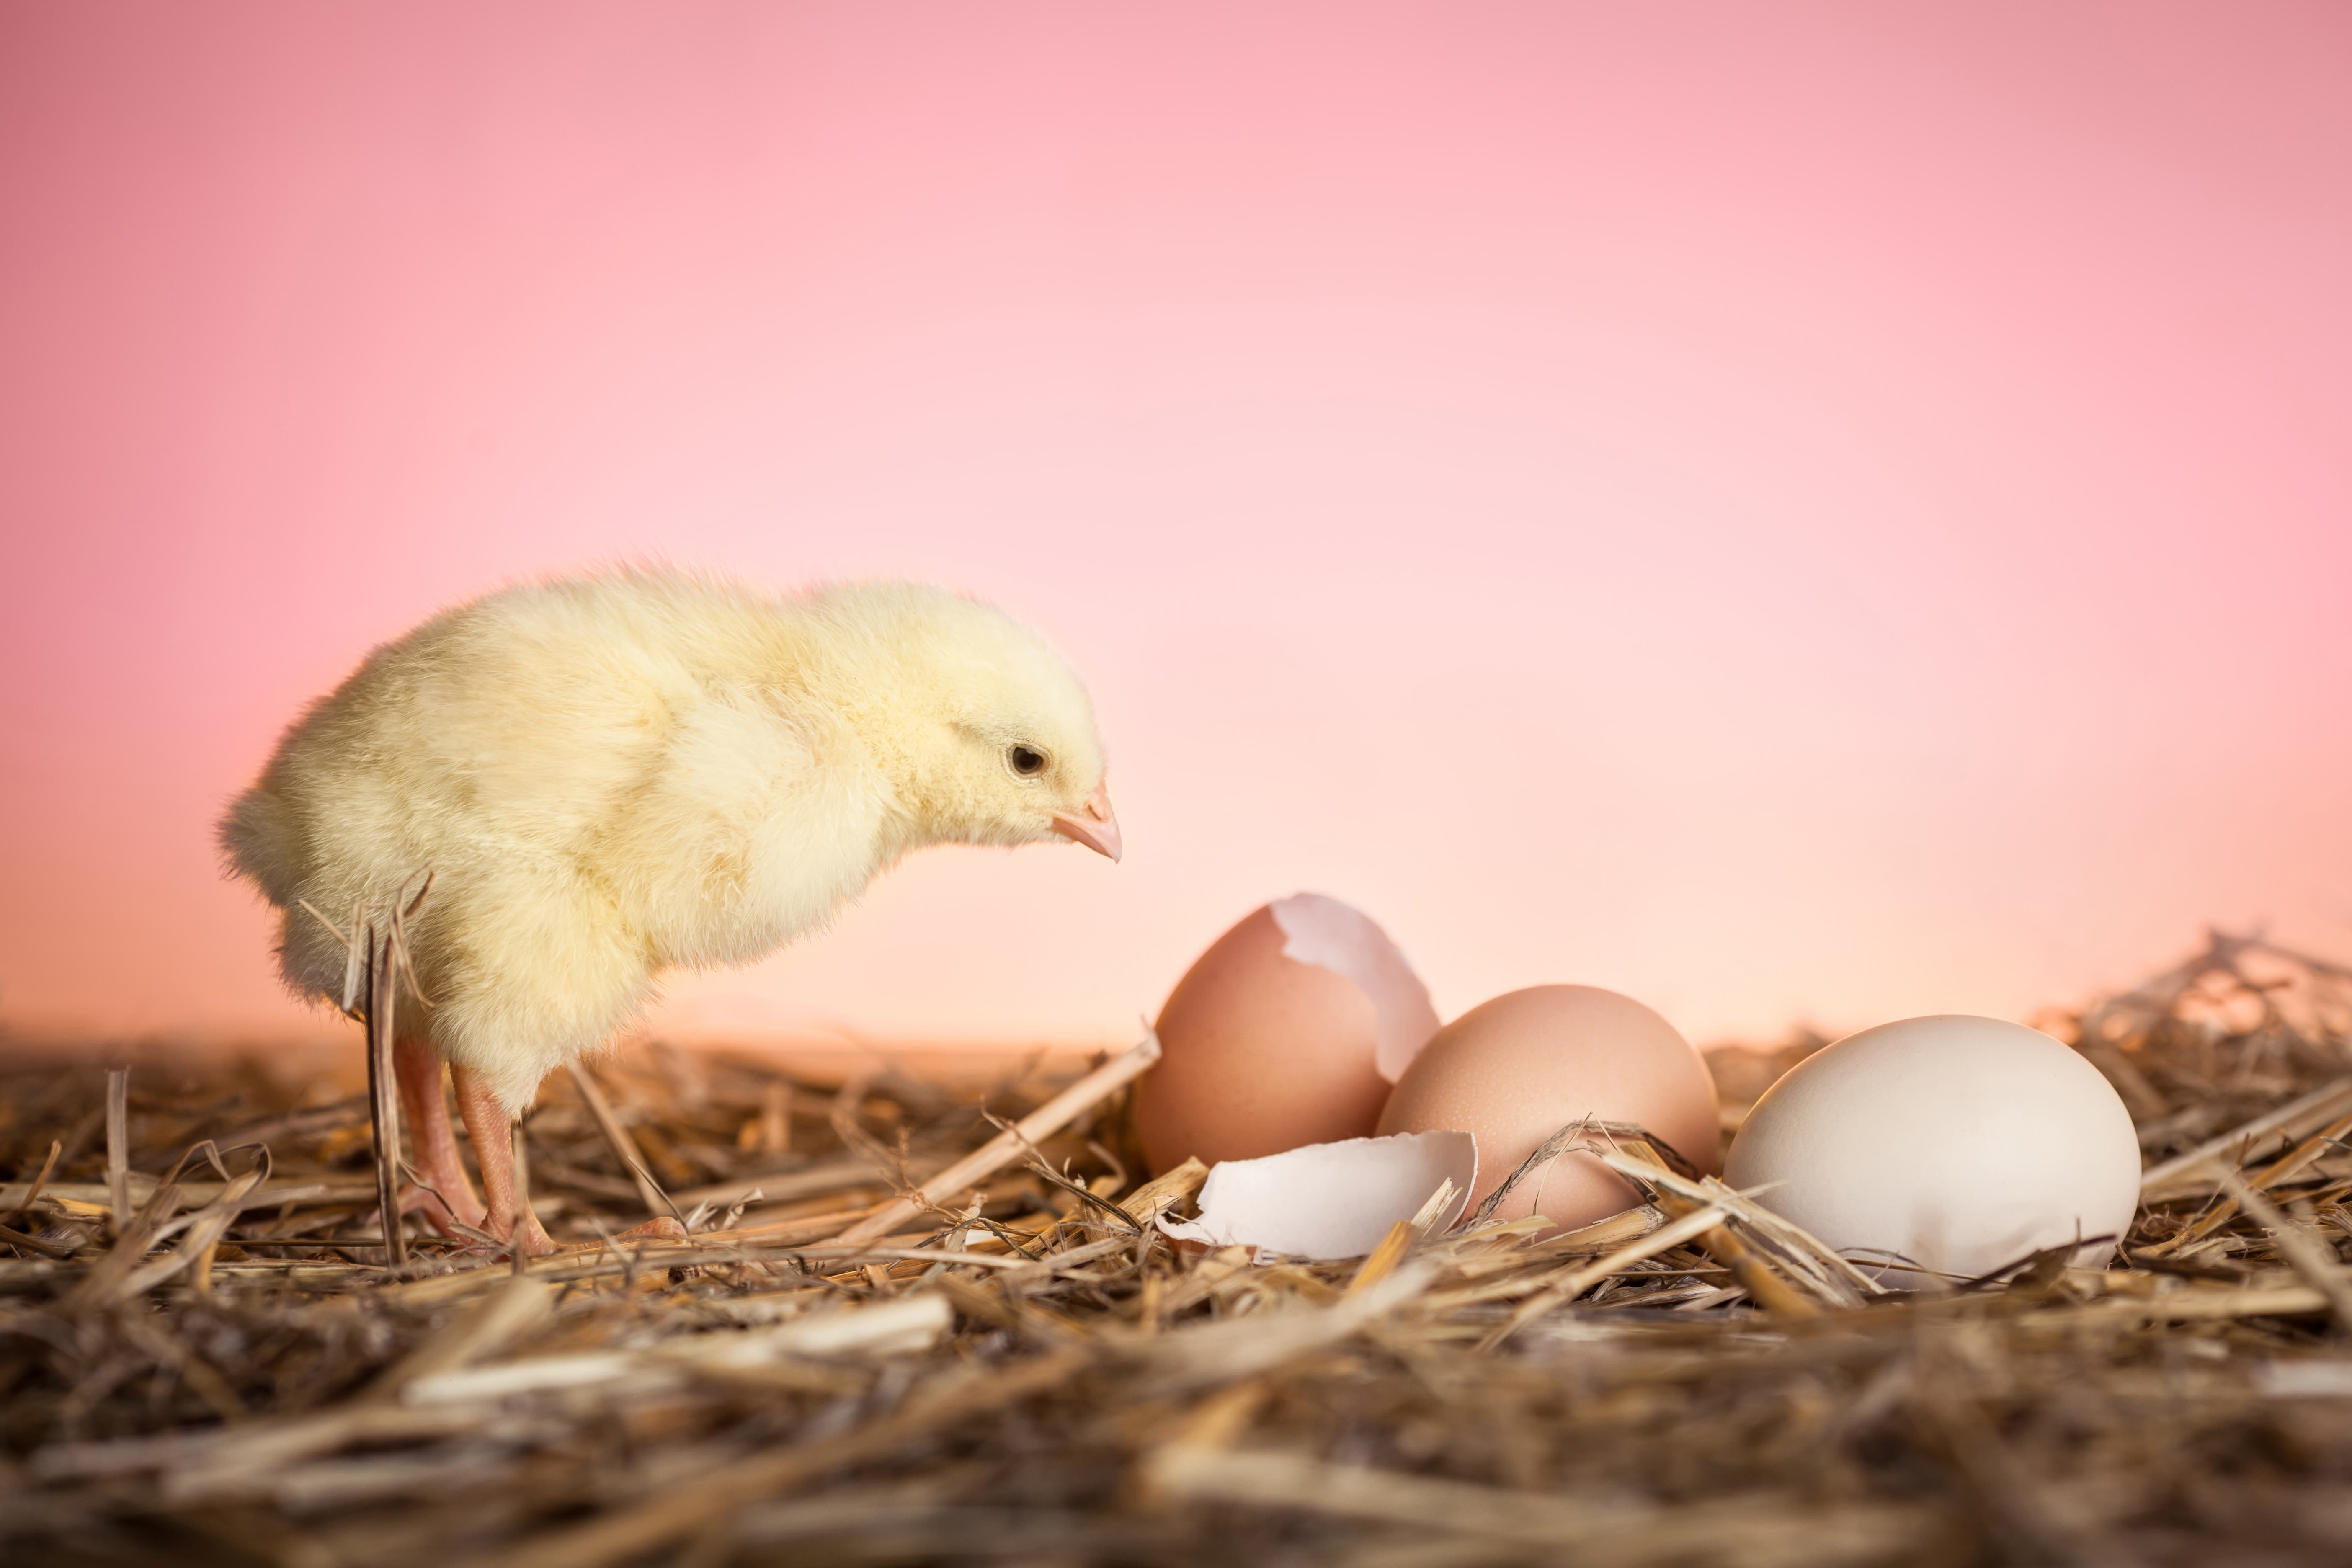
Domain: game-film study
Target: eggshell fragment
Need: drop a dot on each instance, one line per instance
(1330, 1200)
(1322, 931)
(1961, 1144)
(1515, 1070)
(1277, 1036)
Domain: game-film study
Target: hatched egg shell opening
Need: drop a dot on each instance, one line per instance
(1274, 1038)
(1332, 1200)
(1322, 931)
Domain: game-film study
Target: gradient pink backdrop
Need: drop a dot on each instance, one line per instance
(1789, 510)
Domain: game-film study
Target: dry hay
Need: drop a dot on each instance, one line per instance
(222, 1369)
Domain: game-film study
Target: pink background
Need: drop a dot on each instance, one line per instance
(1788, 511)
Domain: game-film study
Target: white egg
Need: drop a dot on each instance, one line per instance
(1952, 1144)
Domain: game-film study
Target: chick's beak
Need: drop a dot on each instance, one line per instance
(1094, 827)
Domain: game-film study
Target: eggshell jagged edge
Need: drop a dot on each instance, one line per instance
(1332, 1200)
(1319, 929)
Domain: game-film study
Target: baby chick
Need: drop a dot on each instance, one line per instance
(613, 776)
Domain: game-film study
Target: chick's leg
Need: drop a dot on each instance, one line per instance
(419, 1067)
(492, 1129)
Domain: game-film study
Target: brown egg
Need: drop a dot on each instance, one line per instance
(1265, 1050)
(1513, 1071)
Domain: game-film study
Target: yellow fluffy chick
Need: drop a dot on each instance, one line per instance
(613, 776)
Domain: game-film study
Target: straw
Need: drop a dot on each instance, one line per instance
(951, 1330)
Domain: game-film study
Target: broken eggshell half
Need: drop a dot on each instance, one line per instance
(1332, 1200)
(1289, 1030)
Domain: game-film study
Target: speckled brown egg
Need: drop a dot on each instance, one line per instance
(1277, 1036)
(1513, 1071)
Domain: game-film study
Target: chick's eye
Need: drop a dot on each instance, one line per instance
(1025, 761)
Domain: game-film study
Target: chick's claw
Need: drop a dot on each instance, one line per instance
(521, 1229)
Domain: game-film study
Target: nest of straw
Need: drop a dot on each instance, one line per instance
(918, 1322)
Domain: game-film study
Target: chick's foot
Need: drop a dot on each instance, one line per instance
(424, 1201)
(491, 1127)
(520, 1229)
(442, 1193)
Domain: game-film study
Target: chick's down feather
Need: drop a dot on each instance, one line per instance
(615, 774)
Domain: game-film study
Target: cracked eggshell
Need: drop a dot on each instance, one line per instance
(1330, 1200)
(1960, 1143)
(1278, 1036)
(1513, 1071)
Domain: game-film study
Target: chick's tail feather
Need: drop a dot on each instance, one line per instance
(258, 839)
(261, 838)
